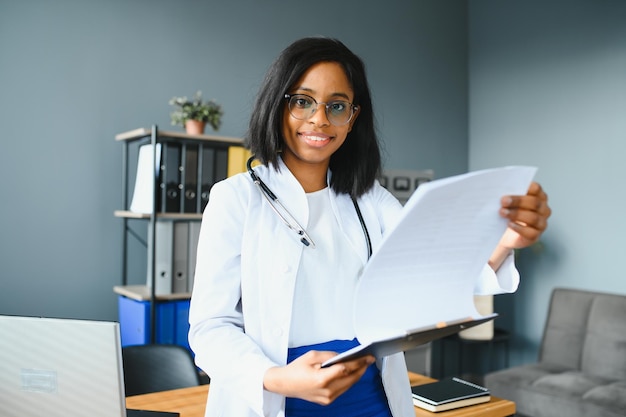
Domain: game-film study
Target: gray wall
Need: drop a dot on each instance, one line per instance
(74, 73)
(548, 88)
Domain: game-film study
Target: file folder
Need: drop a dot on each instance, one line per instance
(181, 249)
(206, 173)
(190, 181)
(163, 241)
(216, 164)
(237, 158)
(171, 178)
(221, 164)
(194, 235)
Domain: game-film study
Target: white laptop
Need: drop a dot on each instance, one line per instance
(60, 368)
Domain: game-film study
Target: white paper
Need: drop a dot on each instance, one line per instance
(144, 182)
(425, 269)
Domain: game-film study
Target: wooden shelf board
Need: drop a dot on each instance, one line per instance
(143, 132)
(142, 293)
(164, 216)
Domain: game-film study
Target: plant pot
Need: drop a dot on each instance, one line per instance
(195, 127)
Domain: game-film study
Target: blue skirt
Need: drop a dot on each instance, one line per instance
(366, 398)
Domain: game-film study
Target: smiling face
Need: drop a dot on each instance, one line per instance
(310, 143)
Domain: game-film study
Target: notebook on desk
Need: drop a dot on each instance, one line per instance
(61, 368)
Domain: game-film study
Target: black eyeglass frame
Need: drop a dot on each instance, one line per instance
(353, 108)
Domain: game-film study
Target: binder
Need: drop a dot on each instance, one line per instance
(221, 164)
(237, 158)
(206, 173)
(190, 178)
(175, 244)
(142, 201)
(170, 178)
(213, 167)
(163, 240)
(194, 235)
(180, 256)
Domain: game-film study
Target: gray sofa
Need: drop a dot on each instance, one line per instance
(581, 369)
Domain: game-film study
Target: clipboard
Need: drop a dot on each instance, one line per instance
(408, 341)
(418, 285)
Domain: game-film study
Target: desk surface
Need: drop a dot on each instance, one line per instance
(190, 402)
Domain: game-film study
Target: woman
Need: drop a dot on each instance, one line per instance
(272, 295)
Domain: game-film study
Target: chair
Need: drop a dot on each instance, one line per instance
(419, 360)
(158, 367)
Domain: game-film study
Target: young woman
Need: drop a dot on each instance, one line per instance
(274, 280)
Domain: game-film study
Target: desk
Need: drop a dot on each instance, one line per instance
(190, 402)
(496, 407)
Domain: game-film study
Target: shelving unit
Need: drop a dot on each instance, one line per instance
(145, 295)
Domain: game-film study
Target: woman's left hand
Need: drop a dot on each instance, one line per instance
(527, 215)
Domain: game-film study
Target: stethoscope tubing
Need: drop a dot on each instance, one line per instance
(273, 201)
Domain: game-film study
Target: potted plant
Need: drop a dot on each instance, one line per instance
(194, 114)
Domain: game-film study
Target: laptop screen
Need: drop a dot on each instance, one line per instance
(60, 368)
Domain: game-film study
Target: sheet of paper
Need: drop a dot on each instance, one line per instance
(425, 269)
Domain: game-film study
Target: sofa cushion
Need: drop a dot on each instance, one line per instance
(564, 331)
(573, 384)
(517, 384)
(544, 390)
(520, 376)
(611, 397)
(604, 352)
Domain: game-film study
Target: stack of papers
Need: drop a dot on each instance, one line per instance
(419, 285)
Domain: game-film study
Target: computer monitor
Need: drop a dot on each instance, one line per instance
(60, 368)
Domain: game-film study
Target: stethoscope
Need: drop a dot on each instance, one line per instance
(290, 221)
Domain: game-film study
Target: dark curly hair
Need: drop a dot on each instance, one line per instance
(357, 163)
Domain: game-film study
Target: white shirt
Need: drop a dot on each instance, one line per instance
(332, 264)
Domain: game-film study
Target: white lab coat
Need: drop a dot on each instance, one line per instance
(244, 283)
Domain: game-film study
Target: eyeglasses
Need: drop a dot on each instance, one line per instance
(338, 112)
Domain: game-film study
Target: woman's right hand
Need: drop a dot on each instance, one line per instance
(305, 378)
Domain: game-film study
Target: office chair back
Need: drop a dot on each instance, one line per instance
(157, 367)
